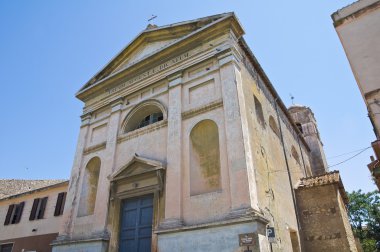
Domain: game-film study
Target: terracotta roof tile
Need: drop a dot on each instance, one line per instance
(11, 187)
(324, 179)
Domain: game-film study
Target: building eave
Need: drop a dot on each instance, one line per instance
(354, 10)
(328, 178)
(35, 190)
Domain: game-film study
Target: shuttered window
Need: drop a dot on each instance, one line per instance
(61, 199)
(38, 208)
(14, 213)
(9, 214)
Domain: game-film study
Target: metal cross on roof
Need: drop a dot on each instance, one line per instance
(152, 17)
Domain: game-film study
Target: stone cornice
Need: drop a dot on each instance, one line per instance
(142, 131)
(94, 148)
(66, 240)
(208, 107)
(246, 216)
(86, 119)
(185, 43)
(354, 11)
(175, 79)
(196, 59)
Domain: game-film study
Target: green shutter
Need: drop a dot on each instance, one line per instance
(9, 214)
(34, 209)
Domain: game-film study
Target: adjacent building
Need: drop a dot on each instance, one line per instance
(322, 204)
(30, 213)
(357, 26)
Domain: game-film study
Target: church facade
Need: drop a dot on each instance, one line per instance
(185, 145)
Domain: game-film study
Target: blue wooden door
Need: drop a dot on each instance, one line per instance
(136, 224)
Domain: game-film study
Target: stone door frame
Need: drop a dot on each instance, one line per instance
(139, 177)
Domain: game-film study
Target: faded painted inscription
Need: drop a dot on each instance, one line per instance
(319, 210)
(311, 238)
(151, 72)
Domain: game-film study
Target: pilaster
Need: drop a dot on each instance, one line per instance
(107, 165)
(72, 197)
(241, 172)
(173, 190)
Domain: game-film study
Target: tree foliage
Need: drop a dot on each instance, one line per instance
(364, 214)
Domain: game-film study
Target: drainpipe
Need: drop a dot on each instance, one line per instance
(289, 177)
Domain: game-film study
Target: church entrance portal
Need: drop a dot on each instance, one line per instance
(136, 224)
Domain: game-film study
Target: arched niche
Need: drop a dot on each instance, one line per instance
(204, 158)
(144, 114)
(89, 187)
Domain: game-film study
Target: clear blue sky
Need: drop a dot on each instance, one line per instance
(49, 49)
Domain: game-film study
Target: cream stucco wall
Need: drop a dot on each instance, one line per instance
(205, 80)
(273, 187)
(49, 224)
(357, 26)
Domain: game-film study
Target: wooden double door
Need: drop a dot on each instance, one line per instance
(136, 224)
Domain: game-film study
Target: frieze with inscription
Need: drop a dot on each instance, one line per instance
(152, 71)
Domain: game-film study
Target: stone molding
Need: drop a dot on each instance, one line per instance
(170, 224)
(247, 215)
(94, 148)
(101, 236)
(354, 11)
(117, 104)
(175, 79)
(199, 56)
(142, 131)
(208, 107)
(86, 119)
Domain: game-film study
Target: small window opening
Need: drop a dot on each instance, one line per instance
(143, 115)
(259, 112)
(38, 208)
(60, 205)
(273, 126)
(295, 155)
(14, 213)
(299, 126)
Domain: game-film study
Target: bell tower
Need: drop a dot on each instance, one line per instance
(304, 118)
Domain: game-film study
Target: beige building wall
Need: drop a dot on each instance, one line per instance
(274, 191)
(357, 26)
(24, 231)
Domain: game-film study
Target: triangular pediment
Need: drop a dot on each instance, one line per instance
(146, 49)
(151, 41)
(137, 166)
